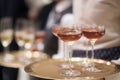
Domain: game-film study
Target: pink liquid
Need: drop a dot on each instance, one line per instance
(70, 36)
(92, 34)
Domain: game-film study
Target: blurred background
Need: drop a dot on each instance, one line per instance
(26, 28)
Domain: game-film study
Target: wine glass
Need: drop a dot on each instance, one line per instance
(85, 61)
(29, 38)
(6, 35)
(24, 35)
(70, 34)
(19, 37)
(55, 30)
(93, 33)
(19, 33)
(39, 38)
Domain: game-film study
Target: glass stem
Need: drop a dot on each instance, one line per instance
(70, 56)
(22, 49)
(92, 56)
(65, 52)
(6, 50)
(86, 61)
(87, 53)
(87, 56)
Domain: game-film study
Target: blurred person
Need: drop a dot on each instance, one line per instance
(11, 9)
(34, 7)
(99, 12)
(49, 15)
(37, 4)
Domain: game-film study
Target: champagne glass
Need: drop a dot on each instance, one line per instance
(29, 38)
(85, 62)
(24, 34)
(19, 33)
(39, 38)
(93, 33)
(19, 37)
(55, 30)
(70, 34)
(6, 35)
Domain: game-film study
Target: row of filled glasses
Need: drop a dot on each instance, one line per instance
(25, 34)
(69, 35)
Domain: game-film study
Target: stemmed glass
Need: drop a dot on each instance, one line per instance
(55, 30)
(70, 34)
(29, 38)
(93, 33)
(24, 35)
(39, 38)
(19, 33)
(6, 35)
(19, 37)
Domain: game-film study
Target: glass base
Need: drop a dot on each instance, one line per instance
(8, 57)
(91, 69)
(65, 66)
(71, 73)
(23, 57)
(24, 60)
(85, 63)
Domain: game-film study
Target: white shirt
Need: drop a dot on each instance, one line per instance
(37, 4)
(56, 12)
(101, 12)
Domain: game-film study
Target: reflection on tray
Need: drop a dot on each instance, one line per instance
(16, 63)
